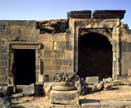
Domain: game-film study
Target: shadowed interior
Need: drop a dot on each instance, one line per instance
(94, 56)
(24, 66)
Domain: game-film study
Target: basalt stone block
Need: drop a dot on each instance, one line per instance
(65, 106)
(64, 97)
(79, 14)
(52, 67)
(17, 95)
(48, 87)
(91, 105)
(28, 90)
(39, 91)
(3, 90)
(3, 62)
(3, 80)
(5, 102)
(92, 80)
(108, 14)
(3, 56)
(2, 28)
(53, 53)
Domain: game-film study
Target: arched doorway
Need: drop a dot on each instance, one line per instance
(94, 56)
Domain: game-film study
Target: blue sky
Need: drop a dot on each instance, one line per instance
(55, 9)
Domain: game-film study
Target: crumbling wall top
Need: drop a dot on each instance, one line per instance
(52, 26)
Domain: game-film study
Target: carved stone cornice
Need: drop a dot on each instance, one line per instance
(104, 31)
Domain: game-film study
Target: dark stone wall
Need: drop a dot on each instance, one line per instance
(3, 66)
(125, 59)
(125, 52)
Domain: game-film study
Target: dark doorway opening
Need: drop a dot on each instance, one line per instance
(24, 66)
(94, 56)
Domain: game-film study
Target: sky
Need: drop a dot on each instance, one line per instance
(56, 9)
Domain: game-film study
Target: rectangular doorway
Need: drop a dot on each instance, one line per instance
(24, 66)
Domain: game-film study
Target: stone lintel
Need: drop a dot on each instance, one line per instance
(79, 14)
(91, 105)
(109, 14)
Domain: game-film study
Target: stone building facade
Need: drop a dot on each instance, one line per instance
(89, 43)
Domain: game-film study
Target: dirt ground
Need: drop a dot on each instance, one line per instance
(119, 93)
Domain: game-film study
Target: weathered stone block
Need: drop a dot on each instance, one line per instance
(108, 14)
(5, 103)
(108, 87)
(57, 61)
(2, 28)
(59, 37)
(3, 62)
(66, 68)
(65, 106)
(48, 87)
(68, 54)
(79, 14)
(3, 70)
(3, 56)
(52, 67)
(44, 37)
(17, 95)
(67, 62)
(4, 90)
(3, 80)
(69, 45)
(49, 45)
(64, 97)
(53, 54)
(3, 50)
(92, 80)
(91, 105)
(28, 89)
(48, 61)
(60, 44)
(39, 89)
(62, 61)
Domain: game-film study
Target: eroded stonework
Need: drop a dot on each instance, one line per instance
(55, 43)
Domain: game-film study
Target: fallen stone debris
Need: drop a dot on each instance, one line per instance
(63, 94)
(5, 102)
(76, 62)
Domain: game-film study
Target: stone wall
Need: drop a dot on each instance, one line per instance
(57, 54)
(125, 51)
(58, 42)
(13, 31)
(56, 46)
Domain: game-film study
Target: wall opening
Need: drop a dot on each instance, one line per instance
(94, 56)
(24, 66)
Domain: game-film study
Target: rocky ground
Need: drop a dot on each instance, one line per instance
(119, 93)
(122, 93)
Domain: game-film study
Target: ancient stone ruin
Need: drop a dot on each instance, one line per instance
(88, 43)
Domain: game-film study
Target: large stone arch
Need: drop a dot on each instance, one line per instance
(94, 55)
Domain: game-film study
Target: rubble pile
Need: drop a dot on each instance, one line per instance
(92, 84)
